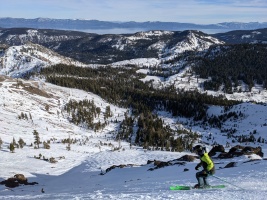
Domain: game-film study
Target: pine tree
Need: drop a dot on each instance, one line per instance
(11, 147)
(30, 116)
(98, 110)
(108, 112)
(21, 143)
(36, 138)
(69, 142)
(22, 115)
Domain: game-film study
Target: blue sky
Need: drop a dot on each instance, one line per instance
(193, 11)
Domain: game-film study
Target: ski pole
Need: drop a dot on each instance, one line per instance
(227, 182)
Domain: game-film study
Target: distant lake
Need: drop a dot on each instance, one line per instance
(134, 30)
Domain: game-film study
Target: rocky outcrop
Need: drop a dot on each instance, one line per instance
(180, 161)
(116, 166)
(160, 164)
(216, 149)
(17, 180)
(235, 151)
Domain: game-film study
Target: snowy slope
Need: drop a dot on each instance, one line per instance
(76, 175)
(185, 80)
(194, 41)
(139, 183)
(125, 41)
(18, 60)
(140, 62)
(32, 98)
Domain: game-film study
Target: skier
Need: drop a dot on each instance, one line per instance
(207, 164)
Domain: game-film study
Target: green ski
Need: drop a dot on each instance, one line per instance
(183, 187)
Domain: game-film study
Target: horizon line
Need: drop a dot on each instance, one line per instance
(117, 21)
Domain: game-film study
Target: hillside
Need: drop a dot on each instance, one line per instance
(18, 61)
(120, 130)
(34, 105)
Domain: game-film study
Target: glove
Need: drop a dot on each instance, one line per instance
(196, 168)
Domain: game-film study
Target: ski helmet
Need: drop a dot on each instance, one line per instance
(200, 150)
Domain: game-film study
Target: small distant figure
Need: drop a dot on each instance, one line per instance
(42, 190)
(206, 163)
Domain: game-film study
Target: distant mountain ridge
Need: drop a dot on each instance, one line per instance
(81, 24)
(92, 48)
(106, 49)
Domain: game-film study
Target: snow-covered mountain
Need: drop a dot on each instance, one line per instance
(106, 49)
(164, 45)
(194, 41)
(17, 61)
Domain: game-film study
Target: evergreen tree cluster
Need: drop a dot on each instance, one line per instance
(248, 138)
(84, 113)
(14, 144)
(228, 66)
(218, 121)
(25, 116)
(122, 87)
(151, 133)
(125, 131)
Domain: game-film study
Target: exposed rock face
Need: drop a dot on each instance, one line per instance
(20, 178)
(216, 149)
(160, 164)
(236, 151)
(187, 158)
(17, 180)
(117, 166)
(231, 164)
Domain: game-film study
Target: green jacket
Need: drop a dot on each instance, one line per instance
(207, 163)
